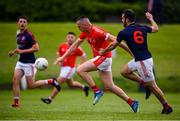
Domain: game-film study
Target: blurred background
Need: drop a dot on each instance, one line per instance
(97, 10)
(50, 20)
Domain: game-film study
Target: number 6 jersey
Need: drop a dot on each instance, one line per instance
(136, 38)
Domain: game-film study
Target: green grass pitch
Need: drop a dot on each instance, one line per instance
(73, 105)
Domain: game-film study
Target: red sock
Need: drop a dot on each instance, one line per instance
(165, 105)
(16, 101)
(130, 101)
(142, 83)
(49, 81)
(95, 88)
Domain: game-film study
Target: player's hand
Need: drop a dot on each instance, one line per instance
(11, 53)
(149, 16)
(58, 60)
(18, 51)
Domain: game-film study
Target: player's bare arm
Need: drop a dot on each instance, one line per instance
(34, 48)
(110, 47)
(122, 44)
(57, 56)
(154, 25)
(125, 47)
(111, 38)
(71, 49)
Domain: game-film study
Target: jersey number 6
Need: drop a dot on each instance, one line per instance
(138, 38)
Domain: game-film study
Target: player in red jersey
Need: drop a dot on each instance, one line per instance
(98, 39)
(27, 45)
(68, 67)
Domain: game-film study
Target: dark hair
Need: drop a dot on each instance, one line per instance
(71, 33)
(22, 17)
(130, 14)
(81, 17)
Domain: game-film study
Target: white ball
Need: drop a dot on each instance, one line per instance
(41, 64)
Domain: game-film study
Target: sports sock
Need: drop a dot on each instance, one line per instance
(95, 89)
(165, 105)
(142, 83)
(130, 101)
(16, 100)
(50, 98)
(49, 81)
(83, 86)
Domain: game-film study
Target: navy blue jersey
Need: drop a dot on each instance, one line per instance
(26, 40)
(136, 38)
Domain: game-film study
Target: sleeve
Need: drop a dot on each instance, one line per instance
(102, 34)
(82, 35)
(32, 38)
(148, 29)
(120, 36)
(59, 50)
(80, 52)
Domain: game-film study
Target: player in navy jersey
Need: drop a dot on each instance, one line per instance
(27, 45)
(136, 38)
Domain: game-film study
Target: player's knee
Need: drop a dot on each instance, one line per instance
(124, 73)
(151, 84)
(110, 86)
(15, 81)
(79, 70)
(70, 85)
(31, 86)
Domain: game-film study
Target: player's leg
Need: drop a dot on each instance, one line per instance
(54, 93)
(160, 96)
(83, 71)
(68, 72)
(145, 69)
(106, 77)
(34, 84)
(75, 84)
(30, 77)
(128, 71)
(18, 74)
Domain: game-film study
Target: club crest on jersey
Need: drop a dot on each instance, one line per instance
(23, 38)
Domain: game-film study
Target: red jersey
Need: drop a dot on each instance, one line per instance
(70, 60)
(97, 38)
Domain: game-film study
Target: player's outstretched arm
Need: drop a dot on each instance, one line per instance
(154, 25)
(71, 49)
(111, 38)
(110, 47)
(34, 48)
(125, 47)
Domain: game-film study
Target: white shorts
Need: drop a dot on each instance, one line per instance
(102, 63)
(144, 68)
(67, 72)
(28, 68)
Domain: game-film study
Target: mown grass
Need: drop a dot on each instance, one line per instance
(73, 105)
